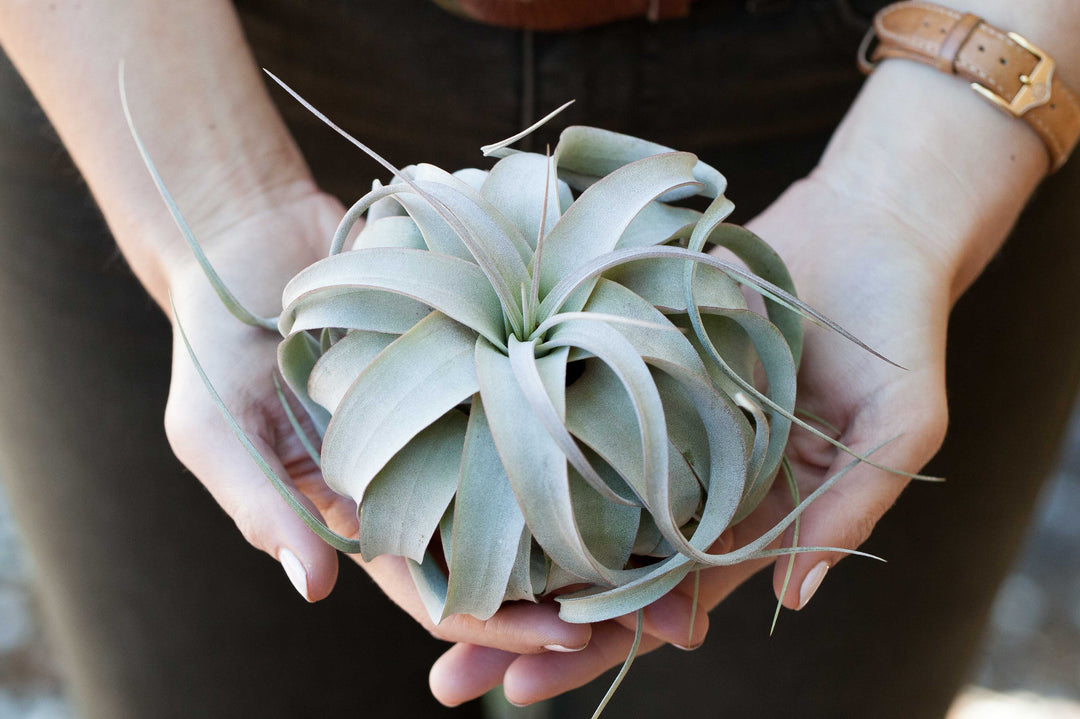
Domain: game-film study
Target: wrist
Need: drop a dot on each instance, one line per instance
(921, 145)
(215, 220)
(219, 173)
(255, 247)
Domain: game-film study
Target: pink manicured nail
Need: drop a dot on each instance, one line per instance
(561, 648)
(811, 583)
(295, 570)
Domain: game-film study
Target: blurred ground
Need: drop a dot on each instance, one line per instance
(979, 703)
(1030, 670)
(29, 683)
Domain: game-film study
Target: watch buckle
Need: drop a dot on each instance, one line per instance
(1034, 89)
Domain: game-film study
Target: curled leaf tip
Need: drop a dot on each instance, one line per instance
(638, 632)
(494, 148)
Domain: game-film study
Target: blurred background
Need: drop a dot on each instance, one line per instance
(1030, 665)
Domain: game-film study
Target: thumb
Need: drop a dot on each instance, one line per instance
(845, 515)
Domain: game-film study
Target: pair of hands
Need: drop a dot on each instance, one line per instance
(859, 263)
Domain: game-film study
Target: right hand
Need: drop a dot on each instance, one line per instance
(256, 256)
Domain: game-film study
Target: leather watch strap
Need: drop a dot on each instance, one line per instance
(1003, 67)
(564, 14)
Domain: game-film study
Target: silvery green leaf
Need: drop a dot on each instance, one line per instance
(598, 604)
(738, 340)
(593, 225)
(390, 232)
(515, 184)
(495, 148)
(660, 281)
(601, 415)
(590, 152)
(757, 469)
(658, 223)
(535, 466)
(579, 276)
(673, 354)
(438, 234)
(648, 538)
(610, 347)
(731, 342)
(456, 288)
(663, 348)
(607, 528)
(456, 193)
(298, 429)
(779, 365)
(428, 371)
(488, 525)
(522, 585)
(297, 356)
(386, 207)
(471, 176)
(558, 578)
(336, 370)
(352, 308)
(379, 196)
(727, 428)
(686, 432)
(497, 246)
(327, 337)
(430, 581)
(526, 371)
(765, 263)
(403, 504)
(446, 532)
(758, 547)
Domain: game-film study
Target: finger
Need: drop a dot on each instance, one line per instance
(210, 450)
(845, 515)
(466, 671)
(520, 627)
(535, 677)
(668, 619)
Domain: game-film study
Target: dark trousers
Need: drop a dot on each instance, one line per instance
(160, 610)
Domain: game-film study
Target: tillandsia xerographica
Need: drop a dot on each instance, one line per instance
(534, 377)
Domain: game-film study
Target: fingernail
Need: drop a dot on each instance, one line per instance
(562, 648)
(295, 570)
(515, 703)
(687, 649)
(811, 583)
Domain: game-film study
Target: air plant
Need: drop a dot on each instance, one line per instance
(533, 376)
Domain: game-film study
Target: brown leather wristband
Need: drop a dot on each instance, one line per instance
(1003, 67)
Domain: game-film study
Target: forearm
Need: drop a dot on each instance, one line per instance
(923, 145)
(196, 96)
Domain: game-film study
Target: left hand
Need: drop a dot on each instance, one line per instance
(889, 284)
